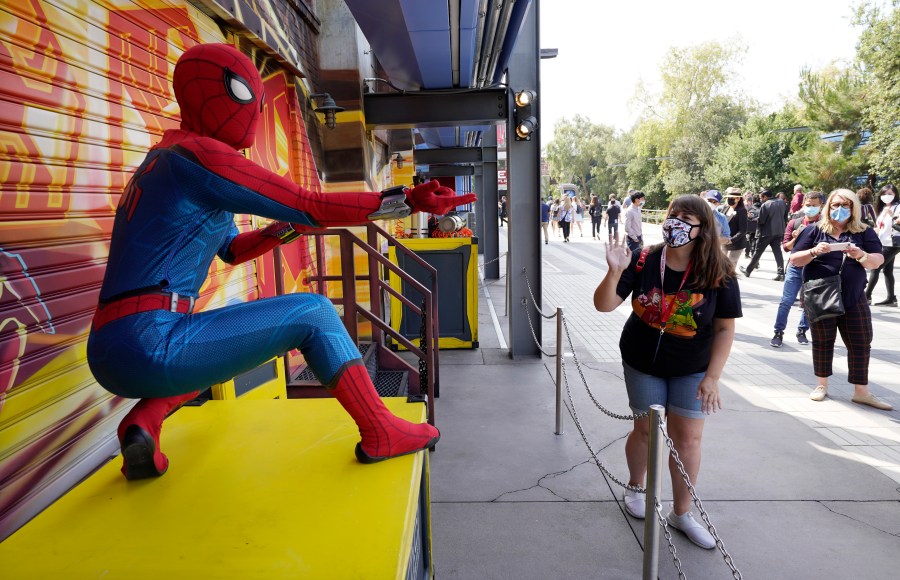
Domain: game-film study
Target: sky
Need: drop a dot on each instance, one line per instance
(606, 47)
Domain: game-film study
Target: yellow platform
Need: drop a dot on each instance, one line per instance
(255, 489)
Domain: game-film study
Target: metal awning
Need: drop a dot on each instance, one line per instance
(430, 45)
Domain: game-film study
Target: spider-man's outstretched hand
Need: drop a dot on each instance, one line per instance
(432, 197)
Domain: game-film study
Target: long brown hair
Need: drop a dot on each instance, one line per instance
(710, 267)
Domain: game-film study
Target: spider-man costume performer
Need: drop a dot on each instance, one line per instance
(175, 216)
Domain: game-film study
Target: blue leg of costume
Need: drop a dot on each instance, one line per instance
(160, 356)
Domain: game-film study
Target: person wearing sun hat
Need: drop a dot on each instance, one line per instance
(736, 214)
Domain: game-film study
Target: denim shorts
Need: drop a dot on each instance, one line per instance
(677, 394)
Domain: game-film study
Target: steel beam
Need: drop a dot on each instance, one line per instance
(449, 171)
(489, 234)
(524, 161)
(447, 155)
(435, 109)
(477, 189)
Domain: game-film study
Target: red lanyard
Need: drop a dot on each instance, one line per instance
(665, 310)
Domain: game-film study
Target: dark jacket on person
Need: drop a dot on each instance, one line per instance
(772, 220)
(737, 224)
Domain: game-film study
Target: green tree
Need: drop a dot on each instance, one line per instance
(578, 146)
(825, 166)
(757, 154)
(879, 53)
(549, 189)
(682, 127)
(611, 176)
(643, 169)
(833, 100)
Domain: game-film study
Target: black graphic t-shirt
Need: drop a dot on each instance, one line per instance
(686, 345)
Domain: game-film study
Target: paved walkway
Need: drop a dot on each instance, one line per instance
(796, 489)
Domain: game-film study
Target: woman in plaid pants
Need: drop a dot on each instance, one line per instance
(815, 252)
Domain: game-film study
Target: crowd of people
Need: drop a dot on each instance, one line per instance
(560, 216)
(685, 297)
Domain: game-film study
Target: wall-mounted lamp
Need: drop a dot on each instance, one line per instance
(399, 159)
(524, 98)
(524, 128)
(328, 107)
(526, 123)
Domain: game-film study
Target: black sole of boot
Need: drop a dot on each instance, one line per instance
(364, 457)
(138, 449)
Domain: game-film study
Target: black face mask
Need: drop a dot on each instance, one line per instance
(677, 232)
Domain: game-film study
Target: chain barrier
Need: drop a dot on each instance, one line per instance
(574, 413)
(665, 526)
(534, 334)
(588, 388)
(577, 363)
(482, 280)
(729, 561)
(533, 301)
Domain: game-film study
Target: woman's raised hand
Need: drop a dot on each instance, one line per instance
(618, 256)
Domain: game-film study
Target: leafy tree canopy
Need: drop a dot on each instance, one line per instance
(578, 146)
(757, 154)
(698, 106)
(879, 53)
(833, 100)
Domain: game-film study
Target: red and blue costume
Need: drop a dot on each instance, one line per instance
(175, 217)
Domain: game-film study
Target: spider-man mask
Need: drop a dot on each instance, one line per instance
(220, 93)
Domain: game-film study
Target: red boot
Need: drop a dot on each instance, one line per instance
(139, 436)
(384, 435)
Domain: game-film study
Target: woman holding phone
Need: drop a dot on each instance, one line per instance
(841, 242)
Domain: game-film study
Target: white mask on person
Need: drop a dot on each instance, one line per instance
(887, 199)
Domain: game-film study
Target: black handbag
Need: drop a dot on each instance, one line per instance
(822, 297)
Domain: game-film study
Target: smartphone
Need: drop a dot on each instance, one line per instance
(839, 246)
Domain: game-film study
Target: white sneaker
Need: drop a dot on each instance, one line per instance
(691, 528)
(635, 503)
(819, 393)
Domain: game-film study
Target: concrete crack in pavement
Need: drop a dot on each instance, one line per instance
(555, 474)
(542, 478)
(849, 517)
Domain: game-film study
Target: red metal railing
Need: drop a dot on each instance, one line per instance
(378, 286)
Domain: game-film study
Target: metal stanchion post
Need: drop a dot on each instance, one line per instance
(655, 450)
(559, 362)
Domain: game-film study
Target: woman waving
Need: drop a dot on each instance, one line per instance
(684, 299)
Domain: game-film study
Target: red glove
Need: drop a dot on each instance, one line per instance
(432, 197)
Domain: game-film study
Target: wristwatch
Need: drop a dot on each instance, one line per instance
(862, 258)
(284, 231)
(393, 205)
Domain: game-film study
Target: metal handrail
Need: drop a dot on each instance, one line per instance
(373, 231)
(377, 285)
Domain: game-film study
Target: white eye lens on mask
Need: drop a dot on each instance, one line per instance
(238, 88)
(677, 232)
(887, 199)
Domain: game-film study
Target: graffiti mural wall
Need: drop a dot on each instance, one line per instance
(85, 90)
